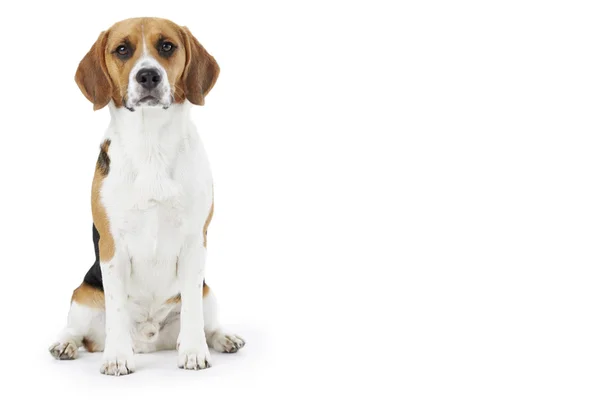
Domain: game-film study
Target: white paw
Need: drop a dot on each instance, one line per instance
(64, 351)
(116, 365)
(194, 359)
(225, 343)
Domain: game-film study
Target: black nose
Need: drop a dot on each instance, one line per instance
(149, 78)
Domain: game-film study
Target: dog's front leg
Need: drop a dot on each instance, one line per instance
(193, 349)
(118, 349)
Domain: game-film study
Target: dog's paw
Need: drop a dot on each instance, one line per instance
(64, 351)
(117, 365)
(225, 343)
(194, 359)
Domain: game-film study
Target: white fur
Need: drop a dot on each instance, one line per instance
(157, 197)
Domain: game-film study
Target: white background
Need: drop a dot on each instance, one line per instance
(407, 198)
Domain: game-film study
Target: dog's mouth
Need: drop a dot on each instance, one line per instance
(147, 100)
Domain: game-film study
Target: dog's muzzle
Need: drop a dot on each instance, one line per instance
(148, 89)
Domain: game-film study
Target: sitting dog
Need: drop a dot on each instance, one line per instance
(152, 202)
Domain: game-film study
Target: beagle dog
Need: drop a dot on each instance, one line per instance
(152, 202)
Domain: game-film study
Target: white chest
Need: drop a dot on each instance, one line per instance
(157, 194)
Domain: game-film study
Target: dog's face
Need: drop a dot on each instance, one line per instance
(146, 62)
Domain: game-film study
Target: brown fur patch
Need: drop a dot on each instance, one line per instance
(92, 75)
(88, 296)
(207, 222)
(174, 300)
(201, 70)
(106, 243)
(90, 345)
(177, 298)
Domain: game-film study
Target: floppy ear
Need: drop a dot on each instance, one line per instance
(92, 76)
(201, 70)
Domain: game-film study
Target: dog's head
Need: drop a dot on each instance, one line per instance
(146, 62)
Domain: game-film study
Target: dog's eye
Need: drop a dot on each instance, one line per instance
(122, 51)
(165, 49)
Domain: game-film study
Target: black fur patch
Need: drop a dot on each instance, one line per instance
(103, 163)
(94, 275)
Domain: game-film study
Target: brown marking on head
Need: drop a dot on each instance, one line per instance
(88, 296)
(207, 222)
(103, 74)
(106, 244)
(90, 345)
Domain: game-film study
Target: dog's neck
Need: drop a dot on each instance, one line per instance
(150, 123)
(150, 133)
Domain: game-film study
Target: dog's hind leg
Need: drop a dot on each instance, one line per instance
(85, 324)
(216, 338)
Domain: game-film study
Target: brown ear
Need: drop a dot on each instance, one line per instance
(92, 76)
(201, 70)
